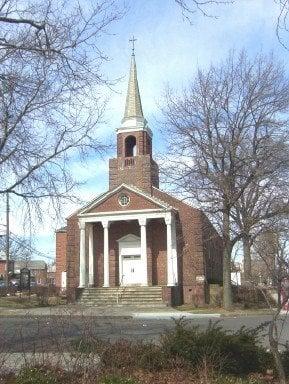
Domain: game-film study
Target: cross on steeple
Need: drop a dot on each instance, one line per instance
(132, 40)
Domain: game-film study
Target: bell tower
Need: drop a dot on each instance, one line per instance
(134, 164)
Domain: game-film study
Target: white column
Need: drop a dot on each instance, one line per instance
(105, 224)
(82, 266)
(174, 251)
(172, 261)
(143, 245)
(90, 256)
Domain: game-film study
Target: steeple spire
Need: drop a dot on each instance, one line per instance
(133, 107)
(133, 120)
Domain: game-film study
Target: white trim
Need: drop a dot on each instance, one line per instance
(106, 195)
(122, 216)
(143, 231)
(172, 261)
(105, 225)
(134, 129)
(130, 245)
(129, 238)
(82, 256)
(90, 256)
(132, 211)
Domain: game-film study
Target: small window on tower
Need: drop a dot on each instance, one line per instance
(130, 146)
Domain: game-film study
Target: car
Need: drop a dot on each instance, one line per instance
(2, 284)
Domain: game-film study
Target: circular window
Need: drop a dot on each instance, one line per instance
(123, 200)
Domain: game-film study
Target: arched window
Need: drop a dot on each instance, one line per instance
(130, 146)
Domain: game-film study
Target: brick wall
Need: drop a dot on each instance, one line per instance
(213, 256)
(61, 248)
(140, 170)
(142, 173)
(112, 204)
(199, 250)
(143, 143)
(72, 254)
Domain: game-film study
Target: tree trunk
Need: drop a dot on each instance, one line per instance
(247, 258)
(227, 250)
(275, 352)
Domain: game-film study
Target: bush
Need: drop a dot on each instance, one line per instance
(285, 360)
(127, 354)
(232, 353)
(87, 346)
(37, 375)
(117, 380)
(234, 380)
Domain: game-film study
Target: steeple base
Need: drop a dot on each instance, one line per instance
(140, 171)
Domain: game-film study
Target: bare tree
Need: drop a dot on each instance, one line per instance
(271, 249)
(282, 27)
(190, 7)
(20, 249)
(264, 202)
(207, 8)
(50, 92)
(220, 133)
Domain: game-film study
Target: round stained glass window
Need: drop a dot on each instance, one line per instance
(123, 200)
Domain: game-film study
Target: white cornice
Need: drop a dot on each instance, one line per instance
(106, 195)
(134, 129)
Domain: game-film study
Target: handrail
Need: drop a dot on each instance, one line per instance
(117, 293)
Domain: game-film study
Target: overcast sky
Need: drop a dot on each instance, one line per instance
(169, 50)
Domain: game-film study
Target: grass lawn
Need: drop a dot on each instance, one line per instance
(16, 302)
(236, 310)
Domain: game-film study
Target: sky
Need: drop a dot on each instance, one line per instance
(169, 50)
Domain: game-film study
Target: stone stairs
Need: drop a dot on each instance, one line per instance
(135, 296)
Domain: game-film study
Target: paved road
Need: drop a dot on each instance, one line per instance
(19, 334)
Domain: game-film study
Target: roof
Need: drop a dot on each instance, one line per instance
(62, 229)
(133, 107)
(30, 264)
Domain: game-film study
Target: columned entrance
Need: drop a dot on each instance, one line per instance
(133, 265)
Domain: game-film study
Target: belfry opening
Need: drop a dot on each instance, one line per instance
(130, 146)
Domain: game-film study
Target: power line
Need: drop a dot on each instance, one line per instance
(29, 248)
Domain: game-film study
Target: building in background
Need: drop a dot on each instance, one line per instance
(51, 268)
(3, 267)
(38, 270)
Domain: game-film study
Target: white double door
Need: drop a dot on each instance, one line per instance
(132, 270)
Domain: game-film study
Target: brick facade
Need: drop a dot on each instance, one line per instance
(140, 170)
(198, 244)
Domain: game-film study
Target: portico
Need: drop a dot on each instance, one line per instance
(136, 250)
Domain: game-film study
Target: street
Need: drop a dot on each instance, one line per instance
(28, 334)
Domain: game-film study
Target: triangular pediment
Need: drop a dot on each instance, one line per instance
(123, 198)
(130, 238)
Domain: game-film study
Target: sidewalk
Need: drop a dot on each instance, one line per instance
(115, 311)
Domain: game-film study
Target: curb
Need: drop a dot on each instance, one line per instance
(174, 315)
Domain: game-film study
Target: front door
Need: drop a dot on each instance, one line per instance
(131, 270)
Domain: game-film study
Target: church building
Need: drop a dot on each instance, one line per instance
(136, 244)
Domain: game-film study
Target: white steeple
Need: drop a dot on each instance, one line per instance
(133, 119)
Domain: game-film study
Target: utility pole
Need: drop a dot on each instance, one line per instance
(7, 239)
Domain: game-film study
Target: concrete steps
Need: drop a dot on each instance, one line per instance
(135, 296)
